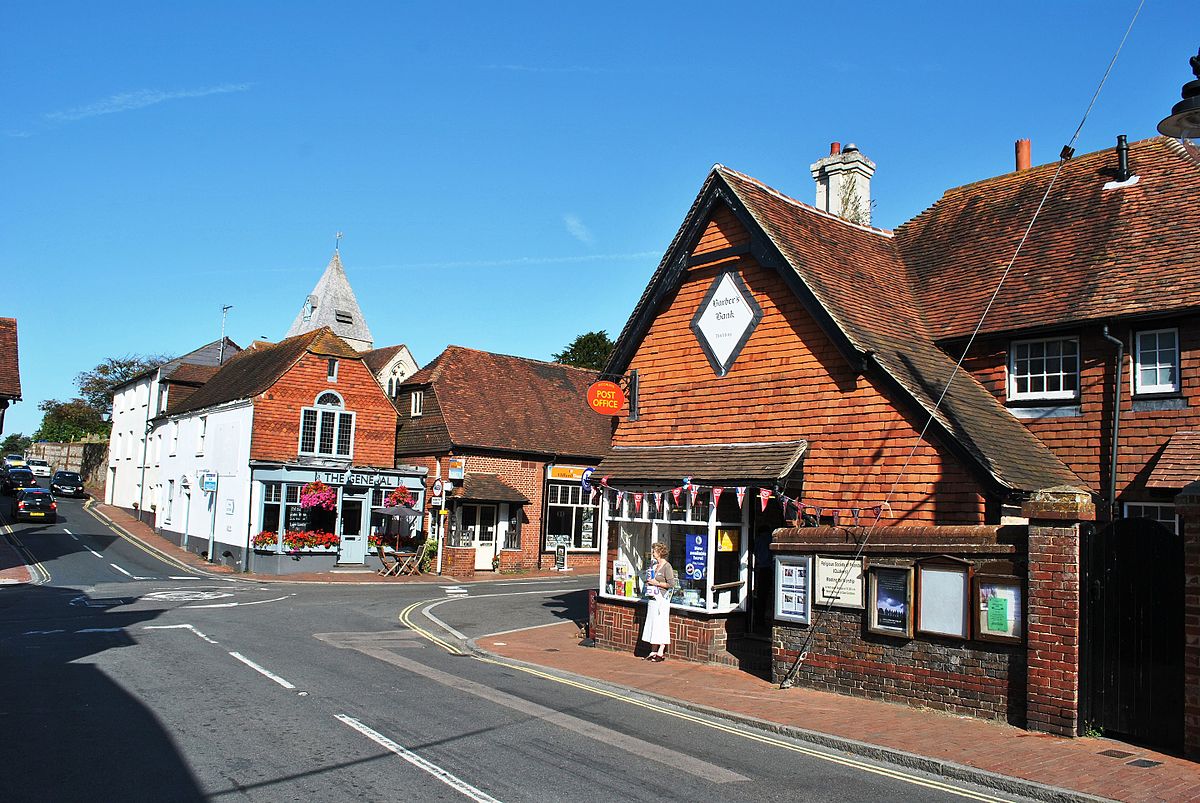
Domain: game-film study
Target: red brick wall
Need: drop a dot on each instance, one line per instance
(458, 562)
(789, 383)
(1084, 442)
(694, 637)
(277, 412)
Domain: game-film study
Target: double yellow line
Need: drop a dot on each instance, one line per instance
(163, 556)
(897, 775)
(41, 575)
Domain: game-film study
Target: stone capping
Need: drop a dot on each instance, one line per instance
(1062, 503)
(921, 540)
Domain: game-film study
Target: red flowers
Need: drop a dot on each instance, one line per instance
(297, 540)
(399, 497)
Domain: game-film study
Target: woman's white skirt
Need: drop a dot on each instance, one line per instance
(657, 629)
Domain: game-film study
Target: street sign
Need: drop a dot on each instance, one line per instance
(457, 467)
(437, 487)
(606, 398)
(209, 484)
(560, 557)
(584, 480)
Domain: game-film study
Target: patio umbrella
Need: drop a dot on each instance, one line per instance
(408, 517)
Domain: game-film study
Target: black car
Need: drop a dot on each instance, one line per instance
(17, 478)
(34, 504)
(67, 483)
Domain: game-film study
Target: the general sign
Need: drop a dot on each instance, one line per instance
(606, 398)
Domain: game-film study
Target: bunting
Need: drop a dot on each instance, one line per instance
(675, 494)
(717, 496)
(764, 494)
(741, 496)
(637, 502)
(694, 491)
(620, 499)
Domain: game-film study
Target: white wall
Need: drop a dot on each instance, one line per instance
(133, 406)
(226, 452)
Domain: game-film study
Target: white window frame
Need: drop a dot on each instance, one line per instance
(201, 434)
(1138, 388)
(339, 412)
(170, 501)
(1139, 510)
(174, 438)
(1043, 395)
(331, 370)
(417, 404)
(574, 491)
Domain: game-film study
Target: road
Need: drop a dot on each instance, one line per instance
(128, 678)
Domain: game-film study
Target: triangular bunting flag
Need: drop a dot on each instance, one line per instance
(620, 499)
(763, 495)
(592, 496)
(675, 494)
(717, 496)
(637, 502)
(741, 495)
(694, 490)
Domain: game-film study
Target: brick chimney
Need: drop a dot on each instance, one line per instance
(1024, 160)
(844, 183)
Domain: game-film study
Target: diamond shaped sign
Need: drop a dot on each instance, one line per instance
(727, 317)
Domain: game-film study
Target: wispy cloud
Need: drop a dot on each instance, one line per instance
(578, 230)
(140, 99)
(513, 262)
(567, 68)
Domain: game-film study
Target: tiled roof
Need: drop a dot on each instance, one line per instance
(1179, 463)
(705, 464)
(1094, 253)
(377, 359)
(10, 371)
(252, 371)
(189, 374)
(208, 354)
(487, 488)
(494, 401)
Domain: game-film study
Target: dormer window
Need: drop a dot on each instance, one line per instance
(327, 430)
(1044, 369)
(341, 316)
(418, 401)
(331, 370)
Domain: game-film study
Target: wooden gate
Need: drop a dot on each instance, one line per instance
(1131, 647)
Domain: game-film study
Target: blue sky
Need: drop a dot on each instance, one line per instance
(507, 175)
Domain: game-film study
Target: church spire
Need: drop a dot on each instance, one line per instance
(332, 303)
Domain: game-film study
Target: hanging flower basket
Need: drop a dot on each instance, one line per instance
(318, 495)
(399, 497)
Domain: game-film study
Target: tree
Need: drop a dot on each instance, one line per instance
(69, 421)
(96, 386)
(16, 443)
(589, 350)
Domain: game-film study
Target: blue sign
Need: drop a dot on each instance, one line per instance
(583, 481)
(695, 555)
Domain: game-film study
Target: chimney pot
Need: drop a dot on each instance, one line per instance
(835, 148)
(1024, 160)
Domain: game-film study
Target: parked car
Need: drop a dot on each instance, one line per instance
(67, 483)
(34, 504)
(17, 478)
(40, 468)
(11, 460)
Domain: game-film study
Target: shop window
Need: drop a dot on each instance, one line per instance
(271, 507)
(570, 519)
(1156, 368)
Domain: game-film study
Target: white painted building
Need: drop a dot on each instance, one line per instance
(134, 458)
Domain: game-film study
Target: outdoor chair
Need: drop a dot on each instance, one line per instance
(410, 562)
(391, 562)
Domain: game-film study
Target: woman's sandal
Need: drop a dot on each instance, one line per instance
(656, 658)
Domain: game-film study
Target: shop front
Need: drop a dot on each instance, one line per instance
(312, 519)
(572, 518)
(715, 506)
(485, 517)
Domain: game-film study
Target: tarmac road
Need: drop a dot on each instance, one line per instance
(125, 681)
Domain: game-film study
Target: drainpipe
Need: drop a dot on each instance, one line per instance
(1116, 434)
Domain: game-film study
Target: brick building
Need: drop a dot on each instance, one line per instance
(509, 439)
(10, 371)
(798, 442)
(273, 419)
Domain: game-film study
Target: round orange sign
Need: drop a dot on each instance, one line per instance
(606, 398)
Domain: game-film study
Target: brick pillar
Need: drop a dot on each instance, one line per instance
(459, 562)
(1052, 608)
(1187, 505)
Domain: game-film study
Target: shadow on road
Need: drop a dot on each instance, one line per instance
(70, 732)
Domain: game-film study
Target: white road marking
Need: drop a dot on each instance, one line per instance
(68, 532)
(182, 627)
(100, 630)
(236, 604)
(41, 632)
(454, 782)
(94, 552)
(184, 577)
(264, 672)
(122, 571)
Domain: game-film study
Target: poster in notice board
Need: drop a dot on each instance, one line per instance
(999, 614)
(891, 601)
(793, 588)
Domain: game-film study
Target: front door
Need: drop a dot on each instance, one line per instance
(354, 543)
(480, 522)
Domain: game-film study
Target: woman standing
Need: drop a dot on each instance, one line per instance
(660, 584)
